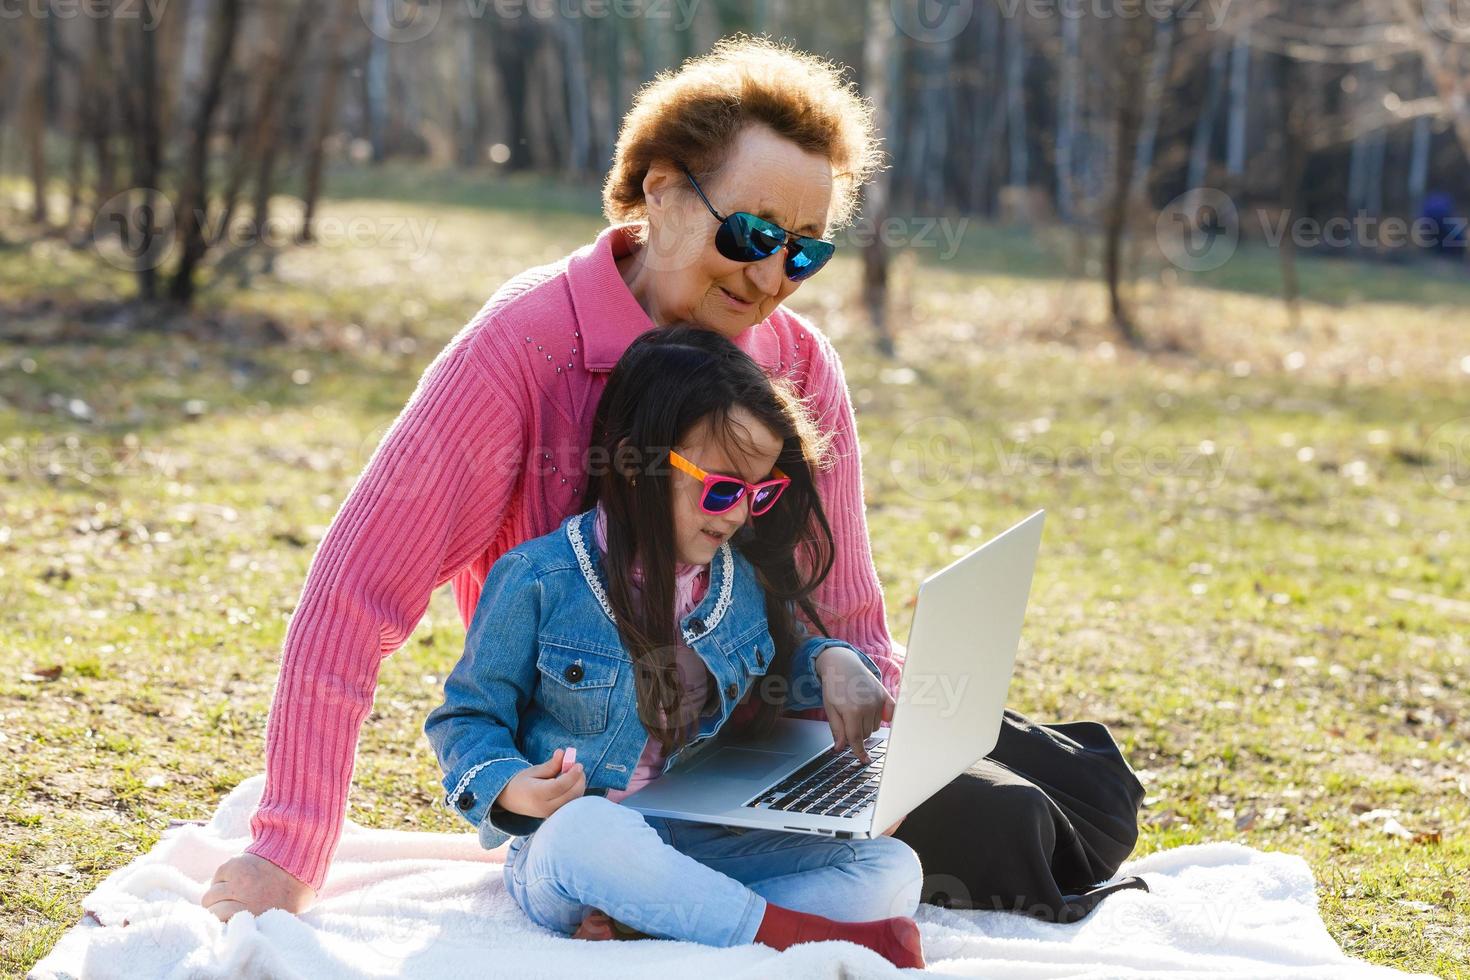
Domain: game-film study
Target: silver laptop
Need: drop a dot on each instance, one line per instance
(961, 653)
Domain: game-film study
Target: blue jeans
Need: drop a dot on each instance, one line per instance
(708, 884)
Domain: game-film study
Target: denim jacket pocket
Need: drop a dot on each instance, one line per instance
(576, 686)
(756, 649)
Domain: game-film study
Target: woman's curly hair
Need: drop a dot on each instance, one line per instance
(692, 114)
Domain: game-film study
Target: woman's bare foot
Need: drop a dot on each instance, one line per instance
(597, 925)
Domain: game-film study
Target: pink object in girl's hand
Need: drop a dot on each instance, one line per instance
(569, 758)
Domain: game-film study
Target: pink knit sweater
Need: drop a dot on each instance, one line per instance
(487, 454)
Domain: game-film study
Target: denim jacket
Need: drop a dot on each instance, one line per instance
(544, 668)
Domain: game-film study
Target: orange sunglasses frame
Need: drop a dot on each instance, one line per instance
(707, 478)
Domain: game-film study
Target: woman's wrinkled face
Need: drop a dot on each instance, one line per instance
(688, 279)
(749, 451)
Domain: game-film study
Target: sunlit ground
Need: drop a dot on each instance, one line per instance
(1253, 569)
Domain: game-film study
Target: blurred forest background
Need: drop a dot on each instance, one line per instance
(172, 124)
(1191, 275)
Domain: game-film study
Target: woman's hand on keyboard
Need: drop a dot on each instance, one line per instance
(854, 700)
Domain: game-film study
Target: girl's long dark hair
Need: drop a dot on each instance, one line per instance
(668, 381)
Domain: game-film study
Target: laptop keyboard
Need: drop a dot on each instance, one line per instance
(830, 785)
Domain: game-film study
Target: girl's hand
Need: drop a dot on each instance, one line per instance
(855, 701)
(541, 790)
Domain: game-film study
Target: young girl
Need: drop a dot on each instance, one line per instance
(634, 631)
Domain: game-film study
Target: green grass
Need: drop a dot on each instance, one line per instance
(1277, 636)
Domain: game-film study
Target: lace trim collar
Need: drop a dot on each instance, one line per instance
(578, 540)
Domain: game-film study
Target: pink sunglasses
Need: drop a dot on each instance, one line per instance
(722, 492)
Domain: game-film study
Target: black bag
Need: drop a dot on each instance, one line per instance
(1033, 826)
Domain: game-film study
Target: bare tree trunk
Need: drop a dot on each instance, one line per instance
(1158, 77)
(1016, 100)
(1294, 136)
(1204, 129)
(1127, 122)
(102, 106)
(512, 56)
(34, 118)
(140, 111)
(194, 195)
(84, 81)
(1067, 94)
(574, 58)
(196, 14)
(1240, 60)
(988, 102)
(467, 115)
(936, 191)
(877, 51)
(1419, 165)
(267, 140)
(326, 112)
(377, 79)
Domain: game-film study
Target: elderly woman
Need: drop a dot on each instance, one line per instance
(727, 177)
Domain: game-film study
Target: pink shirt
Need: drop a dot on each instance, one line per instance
(690, 583)
(486, 454)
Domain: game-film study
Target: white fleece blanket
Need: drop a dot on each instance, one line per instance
(406, 904)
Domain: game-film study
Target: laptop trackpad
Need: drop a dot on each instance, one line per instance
(739, 763)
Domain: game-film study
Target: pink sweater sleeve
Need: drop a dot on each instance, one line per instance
(433, 493)
(850, 601)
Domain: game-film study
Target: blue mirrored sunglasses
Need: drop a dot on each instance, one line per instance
(745, 237)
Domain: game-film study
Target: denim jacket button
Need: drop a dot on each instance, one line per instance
(760, 658)
(465, 800)
(731, 691)
(573, 673)
(696, 625)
